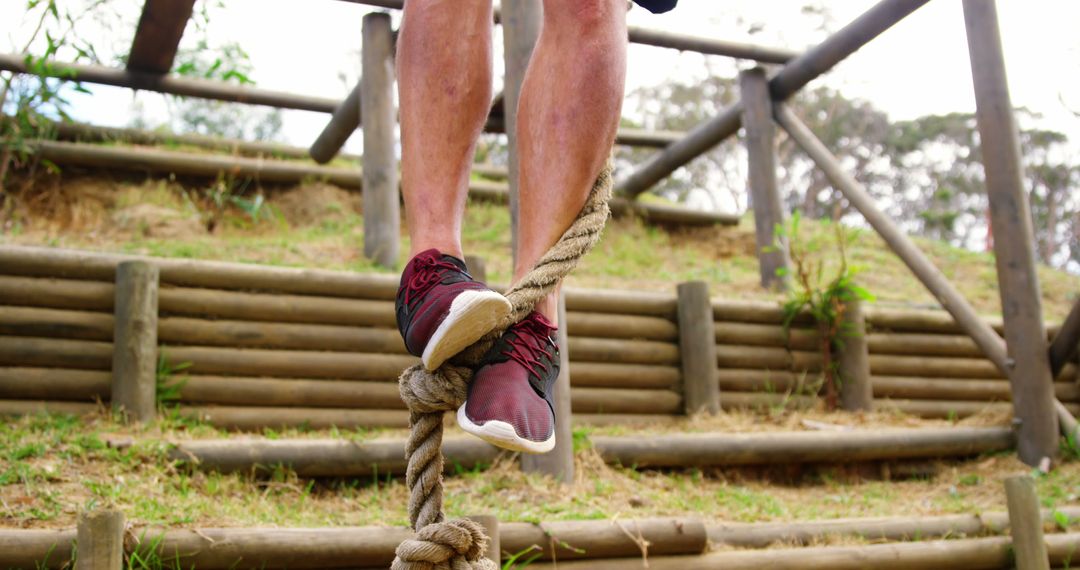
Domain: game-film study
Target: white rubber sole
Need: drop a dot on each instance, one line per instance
(472, 315)
(502, 434)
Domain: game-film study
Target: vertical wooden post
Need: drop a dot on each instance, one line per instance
(764, 191)
(697, 346)
(1025, 524)
(477, 268)
(559, 462)
(100, 540)
(134, 364)
(521, 21)
(853, 354)
(1014, 243)
(491, 528)
(382, 218)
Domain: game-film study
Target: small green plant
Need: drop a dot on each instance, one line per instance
(824, 297)
(523, 559)
(168, 387)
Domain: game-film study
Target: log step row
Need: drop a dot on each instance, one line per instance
(750, 380)
(87, 385)
(44, 264)
(97, 355)
(782, 359)
(931, 409)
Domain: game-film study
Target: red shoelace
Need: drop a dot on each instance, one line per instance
(430, 271)
(528, 353)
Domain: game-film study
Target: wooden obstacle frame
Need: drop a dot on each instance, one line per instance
(1029, 360)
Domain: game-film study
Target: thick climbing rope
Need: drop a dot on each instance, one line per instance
(460, 544)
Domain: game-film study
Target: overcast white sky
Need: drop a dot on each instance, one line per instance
(918, 67)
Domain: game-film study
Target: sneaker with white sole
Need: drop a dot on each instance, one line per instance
(441, 309)
(510, 398)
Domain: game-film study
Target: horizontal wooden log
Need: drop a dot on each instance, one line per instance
(606, 325)
(172, 84)
(58, 353)
(946, 409)
(296, 548)
(56, 293)
(82, 132)
(927, 366)
(374, 546)
(75, 264)
(247, 334)
(586, 349)
(773, 358)
(323, 457)
(767, 335)
(26, 383)
(36, 548)
(917, 320)
(255, 418)
(599, 539)
(959, 389)
(267, 307)
(699, 450)
(762, 312)
(923, 344)
(621, 302)
(55, 323)
(761, 535)
(29, 407)
(272, 392)
(640, 420)
(615, 375)
(289, 363)
(621, 401)
(966, 554)
(764, 401)
(192, 164)
(758, 380)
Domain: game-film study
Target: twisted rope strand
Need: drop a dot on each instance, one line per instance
(459, 544)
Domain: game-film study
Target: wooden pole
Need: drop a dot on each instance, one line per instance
(773, 258)
(521, 21)
(134, 362)
(491, 528)
(382, 218)
(1064, 346)
(342, 124)
(477, 267)
(1014, 246)
(1026, 524)
(856, 391)
(559, 462)
(697, 349)
(100, 536)
(157, 37)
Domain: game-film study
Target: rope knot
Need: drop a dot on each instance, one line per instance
(427, 392)
(451, 545)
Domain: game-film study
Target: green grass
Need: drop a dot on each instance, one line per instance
(55, 466)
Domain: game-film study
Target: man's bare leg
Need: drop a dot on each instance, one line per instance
(444, 88)
(568, 114)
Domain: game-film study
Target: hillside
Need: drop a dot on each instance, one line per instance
(319, 225)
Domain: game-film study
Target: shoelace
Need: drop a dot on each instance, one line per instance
(430, 271)
(528, 354)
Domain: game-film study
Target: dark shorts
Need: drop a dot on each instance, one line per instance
(656, 6)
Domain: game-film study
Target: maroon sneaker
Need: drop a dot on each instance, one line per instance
(510, 401)
(441, 309)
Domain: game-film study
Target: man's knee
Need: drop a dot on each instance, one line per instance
(586, 15)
